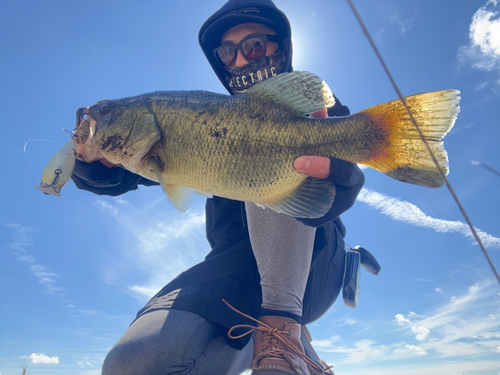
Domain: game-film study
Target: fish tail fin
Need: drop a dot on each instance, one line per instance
(405, 156)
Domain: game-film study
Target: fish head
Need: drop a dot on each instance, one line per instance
(119, 131)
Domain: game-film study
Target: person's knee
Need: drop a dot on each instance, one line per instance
(133, 358)
(161, 342)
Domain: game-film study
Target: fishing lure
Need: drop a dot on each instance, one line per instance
(58, 170)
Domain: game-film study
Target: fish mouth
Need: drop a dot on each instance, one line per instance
(83, 135)
(82, 129)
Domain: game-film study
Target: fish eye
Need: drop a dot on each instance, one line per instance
(105, 109)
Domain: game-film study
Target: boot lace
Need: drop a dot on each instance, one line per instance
(273, 333)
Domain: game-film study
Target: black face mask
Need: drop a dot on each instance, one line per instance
(242, 78)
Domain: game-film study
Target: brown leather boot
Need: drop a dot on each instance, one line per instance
(307, 335)
(271, 353)
(277, 349)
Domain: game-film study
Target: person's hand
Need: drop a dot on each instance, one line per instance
(107, 163)
(314, 166)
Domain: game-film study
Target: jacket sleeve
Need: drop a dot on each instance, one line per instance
(102, 180)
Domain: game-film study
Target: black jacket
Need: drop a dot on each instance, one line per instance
(229, 271)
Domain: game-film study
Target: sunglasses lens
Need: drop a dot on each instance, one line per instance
(253, 48)
(226, 54)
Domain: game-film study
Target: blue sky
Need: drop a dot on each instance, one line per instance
(74, 270)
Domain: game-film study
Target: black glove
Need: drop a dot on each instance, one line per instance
(348, 180)
(338, 109)
(102, 180)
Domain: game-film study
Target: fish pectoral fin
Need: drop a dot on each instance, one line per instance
(300, 92)
(182, 198)
(312, 199)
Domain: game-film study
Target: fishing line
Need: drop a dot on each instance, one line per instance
(492, 170)
(443, 176)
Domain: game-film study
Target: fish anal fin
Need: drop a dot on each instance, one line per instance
(301, 93)
(312, 199)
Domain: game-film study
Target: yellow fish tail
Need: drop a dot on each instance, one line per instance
(404, 156)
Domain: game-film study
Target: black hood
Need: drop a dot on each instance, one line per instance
(235, 12)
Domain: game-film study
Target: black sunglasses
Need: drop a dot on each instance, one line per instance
(252, 47)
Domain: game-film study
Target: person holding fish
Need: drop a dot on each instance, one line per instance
(270, 271)
(281, 271)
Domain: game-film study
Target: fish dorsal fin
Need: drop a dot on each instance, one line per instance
(312, 199)
(300, 92)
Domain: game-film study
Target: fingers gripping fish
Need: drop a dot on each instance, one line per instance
(242, 147)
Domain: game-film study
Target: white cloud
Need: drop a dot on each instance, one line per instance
(147, 291)
(439, 290)
(43, 276)
(460, 327)
(396, 19)
(361, 351)
(412, 349)
(106, 206)
(481, 86)
(40, 358)
(485, 30)
(92, 372)
(401, 320)
(349, 322)
(156, 243)
(467, 327)
(421, 332)
(22, 240)
(407, 212)
(413, 368)
(84, 362)
(483, 50)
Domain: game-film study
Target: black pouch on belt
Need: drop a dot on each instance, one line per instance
(355, 258)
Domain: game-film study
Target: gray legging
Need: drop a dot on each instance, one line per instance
(164, 342)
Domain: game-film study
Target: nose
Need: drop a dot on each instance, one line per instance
(240, 60)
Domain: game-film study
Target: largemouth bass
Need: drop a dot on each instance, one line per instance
(242, 147)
